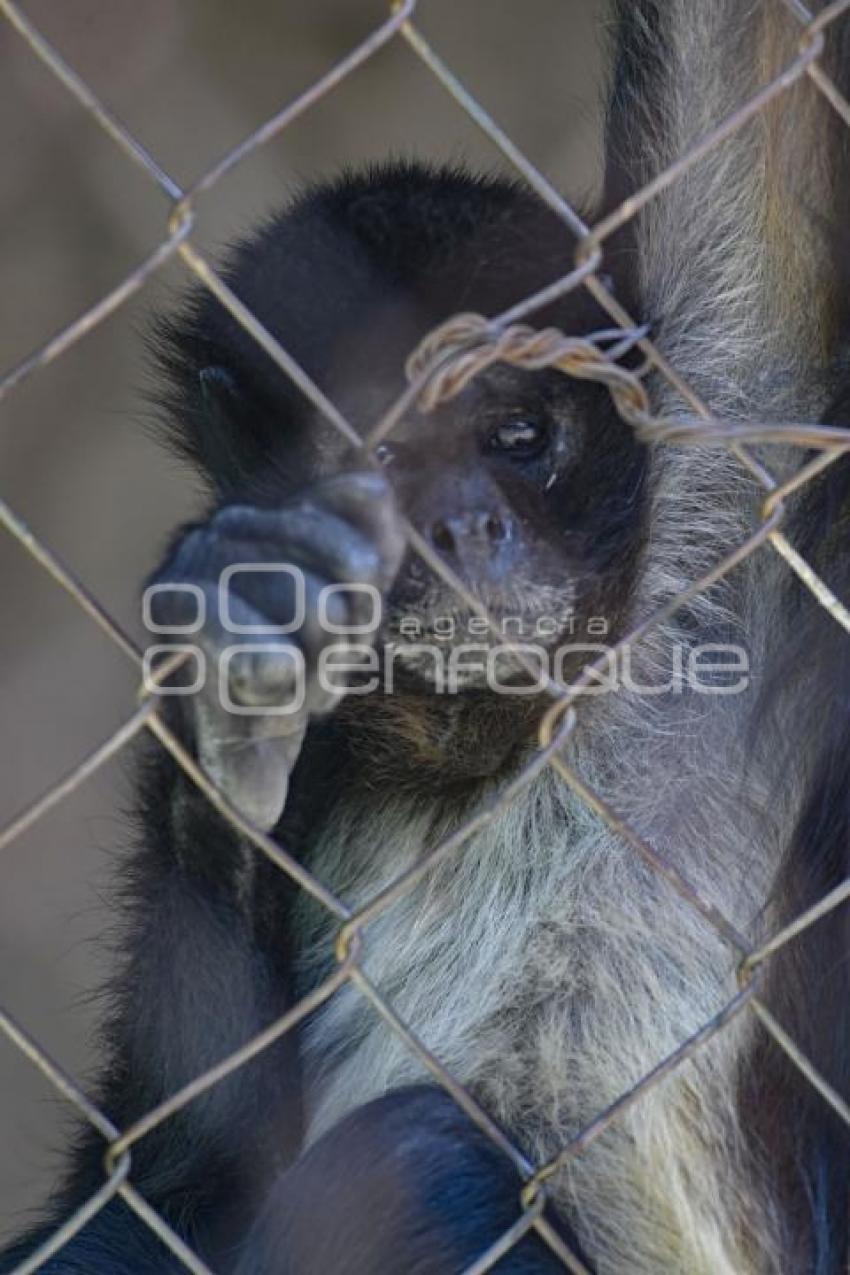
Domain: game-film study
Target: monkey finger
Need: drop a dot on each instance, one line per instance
(367, 500)
(308, 536)
(249, 758)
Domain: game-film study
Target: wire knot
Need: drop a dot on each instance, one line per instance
(448, 358)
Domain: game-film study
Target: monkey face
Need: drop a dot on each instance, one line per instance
(527, 485)
(530, 489)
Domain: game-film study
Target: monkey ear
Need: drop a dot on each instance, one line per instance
(219, 391)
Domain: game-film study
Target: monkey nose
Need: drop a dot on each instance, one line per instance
(476, 531)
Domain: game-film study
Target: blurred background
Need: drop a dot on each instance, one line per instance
(190, 78)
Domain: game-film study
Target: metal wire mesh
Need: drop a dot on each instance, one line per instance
(434, 375)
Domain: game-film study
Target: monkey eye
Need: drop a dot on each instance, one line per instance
(383, 453)
(520, 438)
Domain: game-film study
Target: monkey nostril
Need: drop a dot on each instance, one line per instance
(496, 529)
(442, 537)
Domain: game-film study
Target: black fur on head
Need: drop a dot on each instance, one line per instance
(348, 278)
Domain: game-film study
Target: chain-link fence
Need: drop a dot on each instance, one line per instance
(446, 361)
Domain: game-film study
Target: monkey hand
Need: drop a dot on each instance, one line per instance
(265, 596)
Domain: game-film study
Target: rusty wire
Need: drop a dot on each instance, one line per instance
(444, 363)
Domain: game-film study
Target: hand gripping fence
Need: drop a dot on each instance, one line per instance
(445, 361)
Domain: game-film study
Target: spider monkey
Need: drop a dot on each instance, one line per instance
(544, 965)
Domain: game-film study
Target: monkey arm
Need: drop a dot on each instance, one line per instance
(404, 1183)
(198, 983)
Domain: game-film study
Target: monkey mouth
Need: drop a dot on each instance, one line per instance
(496, 635)
(422, 607)
(440, 640)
